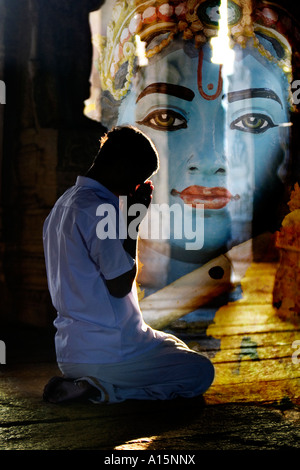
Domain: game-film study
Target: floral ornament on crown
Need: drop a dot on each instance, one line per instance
(195, 20)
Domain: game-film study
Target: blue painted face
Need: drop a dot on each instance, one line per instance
(221, 142)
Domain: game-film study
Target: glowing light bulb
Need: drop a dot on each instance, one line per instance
(222, 53)
(141, 51)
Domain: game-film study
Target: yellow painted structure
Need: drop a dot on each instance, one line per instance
(257, 360)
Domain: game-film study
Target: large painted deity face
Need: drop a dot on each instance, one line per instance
(218, 147)
(222, 139)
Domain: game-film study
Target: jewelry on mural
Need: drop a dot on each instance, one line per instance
(195, 20)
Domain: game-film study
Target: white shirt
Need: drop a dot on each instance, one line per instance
(92, 326)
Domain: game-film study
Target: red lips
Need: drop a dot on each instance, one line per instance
(212, 198)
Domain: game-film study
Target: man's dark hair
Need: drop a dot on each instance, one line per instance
(130, 147)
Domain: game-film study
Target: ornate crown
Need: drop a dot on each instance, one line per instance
(195, 20)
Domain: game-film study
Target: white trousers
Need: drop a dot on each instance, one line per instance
(168, 371)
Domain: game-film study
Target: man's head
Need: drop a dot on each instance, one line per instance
(126, 158)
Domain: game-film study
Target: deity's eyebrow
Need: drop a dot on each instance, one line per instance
(252, 93)
(168, 88)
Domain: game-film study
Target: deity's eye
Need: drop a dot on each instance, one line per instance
(164, 120)
(209, 12)
(254, 123)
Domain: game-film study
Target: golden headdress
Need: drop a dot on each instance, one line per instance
(195, 20)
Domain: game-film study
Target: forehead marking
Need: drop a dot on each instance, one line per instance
(216, 86)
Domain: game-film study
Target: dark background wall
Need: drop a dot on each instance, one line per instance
(45, 62)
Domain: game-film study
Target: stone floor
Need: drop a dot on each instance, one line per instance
(28, 423)
(253, 404)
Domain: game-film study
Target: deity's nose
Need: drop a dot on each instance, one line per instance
(207, 155)
(207, 164)
(207, 152)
